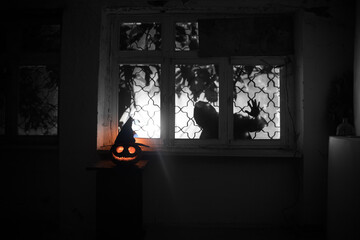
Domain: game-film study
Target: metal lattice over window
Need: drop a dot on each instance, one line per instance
(193, 83)
(38, 103)
(179, 97)
(139, 95)
(261, 83)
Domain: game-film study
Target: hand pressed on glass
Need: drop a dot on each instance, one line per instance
(208, 119)
(254, 107)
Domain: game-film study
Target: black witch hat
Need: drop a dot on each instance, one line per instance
(126, 134)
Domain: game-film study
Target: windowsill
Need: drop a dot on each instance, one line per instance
(227, 152)
(105, 159)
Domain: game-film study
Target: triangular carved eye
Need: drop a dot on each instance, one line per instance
(119, 149)
(131, 150)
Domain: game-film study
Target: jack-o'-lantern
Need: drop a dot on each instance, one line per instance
(125, 150)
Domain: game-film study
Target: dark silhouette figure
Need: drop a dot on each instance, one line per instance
(208, 119)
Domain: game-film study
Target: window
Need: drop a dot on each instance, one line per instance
(30, 63)
(183, 93)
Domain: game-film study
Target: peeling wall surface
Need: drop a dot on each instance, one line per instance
(205, 191)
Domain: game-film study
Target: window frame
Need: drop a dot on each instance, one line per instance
(13, 58)
(168, 57)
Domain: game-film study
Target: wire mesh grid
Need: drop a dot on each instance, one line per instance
(261, 83)
(38, 100)
(143, 102)
(193, 83)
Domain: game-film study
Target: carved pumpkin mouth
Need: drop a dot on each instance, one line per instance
(123, 158)
(125, 152)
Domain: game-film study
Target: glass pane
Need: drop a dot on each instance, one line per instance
(139, 98)
(140, 36)
(187, 36)
(38, 101)
(256, 103)
(42, 37)
(196, 101)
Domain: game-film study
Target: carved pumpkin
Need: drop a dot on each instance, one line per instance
(125, 150)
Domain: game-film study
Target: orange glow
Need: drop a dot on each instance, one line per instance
(131, 150)
(126, 159)
(150, 142)
(119, 149)
(143, 140)
(141, 163)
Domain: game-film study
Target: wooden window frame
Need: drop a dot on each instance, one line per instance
(111, 56)
(15, 57)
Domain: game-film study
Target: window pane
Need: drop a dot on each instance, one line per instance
(196, 101)
(139, 98)
(140, 36)
(38, 101)
(261, 84)
(187, 36)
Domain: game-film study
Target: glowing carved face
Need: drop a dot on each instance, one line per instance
(126, 152)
